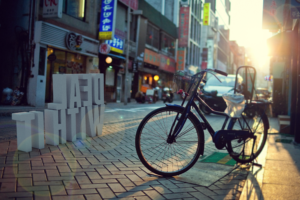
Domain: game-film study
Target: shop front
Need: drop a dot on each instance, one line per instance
(59, 51)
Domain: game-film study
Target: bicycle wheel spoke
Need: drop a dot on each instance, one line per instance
(161, 156)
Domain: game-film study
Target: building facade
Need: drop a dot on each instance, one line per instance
(61, 43)
(215, 45)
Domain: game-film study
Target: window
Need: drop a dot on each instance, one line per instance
(167, 44)
(74, 8)
(152, 36)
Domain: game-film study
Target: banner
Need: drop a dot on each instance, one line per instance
(151, 57)
(107, 19)
(180, 65)
(206, 12)
(167, 64)
(184, 18)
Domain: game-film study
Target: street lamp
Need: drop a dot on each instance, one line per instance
(135, 12)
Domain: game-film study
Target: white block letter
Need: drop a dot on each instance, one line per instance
(55, 126)
(95, 120)
(37, 130)
(73, 90)
(71, 124)
(98, 89)
(23, 130)
(81, 123)
(85, 81)
(59, 92)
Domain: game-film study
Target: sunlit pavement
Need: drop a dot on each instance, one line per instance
(107, 166)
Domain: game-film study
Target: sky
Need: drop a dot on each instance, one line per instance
(245, 26)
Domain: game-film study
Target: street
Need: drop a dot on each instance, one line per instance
(108, 165)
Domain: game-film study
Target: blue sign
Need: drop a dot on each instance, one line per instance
(116, 45)
(295, 9)
(107, 19)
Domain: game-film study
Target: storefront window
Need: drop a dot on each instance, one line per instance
(74, 8)
(167, 44)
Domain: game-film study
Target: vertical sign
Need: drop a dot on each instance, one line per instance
(273, 14)
(206, 12)
(184, 26)
(107, 19)
(180, 59)
(52, 8)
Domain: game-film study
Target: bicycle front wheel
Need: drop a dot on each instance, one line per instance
(245, 151)
(163, 158)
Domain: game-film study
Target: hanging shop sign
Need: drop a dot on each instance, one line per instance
(151, 57)
(180, 65)
(167, 64)
(295, 9)
(184, 26)
(52, 8)
(273, 14)
(107, 19)
(133, 4)
(116, 45)
(206, 12)
(73, 41)
(104, 48)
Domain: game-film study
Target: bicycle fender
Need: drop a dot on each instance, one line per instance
(265, 119)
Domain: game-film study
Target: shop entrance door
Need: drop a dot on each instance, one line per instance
(119, 88)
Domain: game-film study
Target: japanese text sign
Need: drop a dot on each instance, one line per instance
(107, 19)
(184, 26)
(116, 45)
(167, 64)
(133, 4)
(151, 57)
(180, 59)
(206, 12)
(52, 8)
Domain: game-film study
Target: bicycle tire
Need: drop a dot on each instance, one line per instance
(156, 145)
(259, 126)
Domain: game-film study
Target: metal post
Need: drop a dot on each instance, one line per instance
(127, 56)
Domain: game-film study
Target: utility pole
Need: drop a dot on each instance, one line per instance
(127, 56)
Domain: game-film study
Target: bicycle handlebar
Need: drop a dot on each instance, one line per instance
(220, 72)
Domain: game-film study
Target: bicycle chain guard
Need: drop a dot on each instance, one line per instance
(222, 137)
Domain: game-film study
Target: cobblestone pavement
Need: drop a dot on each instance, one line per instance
(104, 167)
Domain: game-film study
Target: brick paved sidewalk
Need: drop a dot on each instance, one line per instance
(104, 167)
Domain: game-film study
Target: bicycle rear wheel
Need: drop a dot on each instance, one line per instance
(161, 157)
(245, 151)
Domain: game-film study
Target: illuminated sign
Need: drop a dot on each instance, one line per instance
(116, 45)
(107, 19)
(206, 12)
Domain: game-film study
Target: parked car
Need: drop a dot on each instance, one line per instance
(214, 89)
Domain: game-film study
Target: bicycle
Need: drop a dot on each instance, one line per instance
(169, 140)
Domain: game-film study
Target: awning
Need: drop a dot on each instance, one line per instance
(282, 44)
(116, 56)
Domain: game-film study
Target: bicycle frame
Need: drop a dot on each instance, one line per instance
(190, 104)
